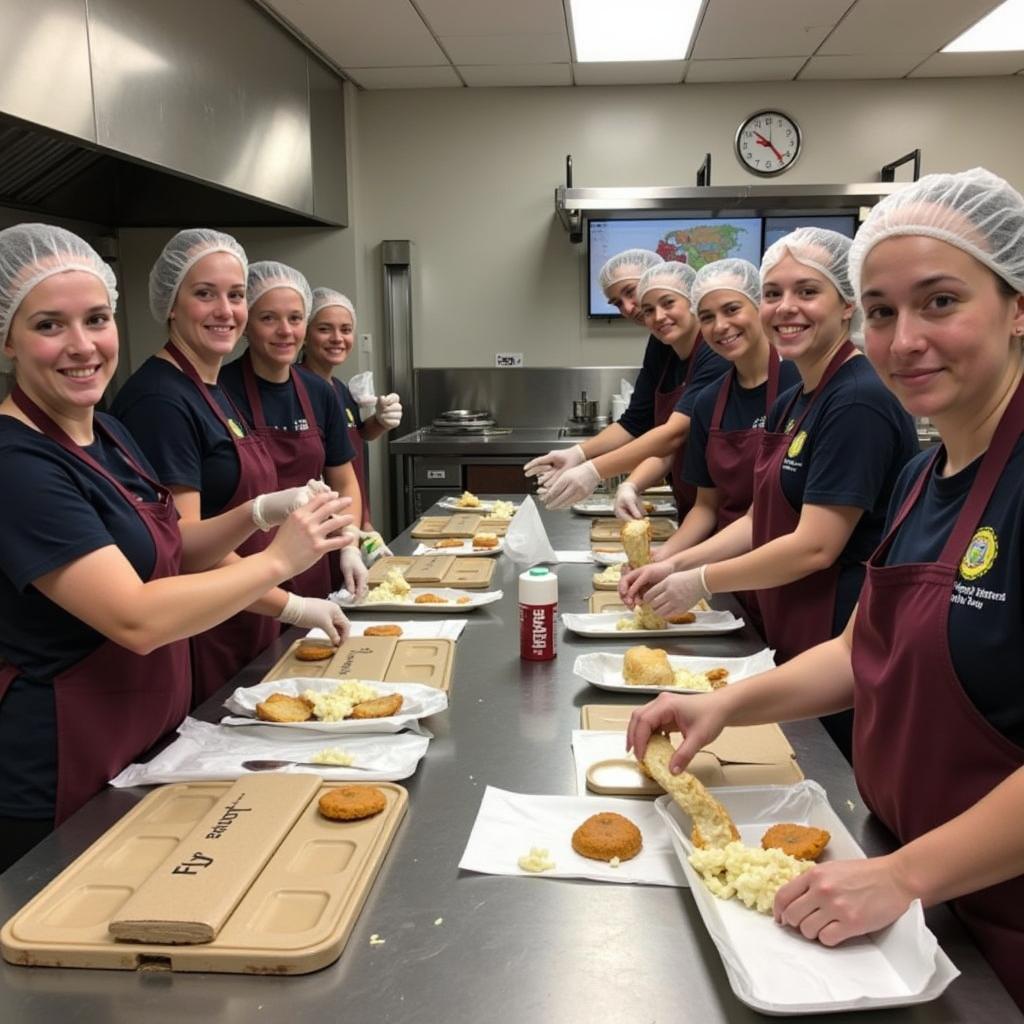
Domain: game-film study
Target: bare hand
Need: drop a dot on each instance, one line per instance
(634, 584)
(700, 718)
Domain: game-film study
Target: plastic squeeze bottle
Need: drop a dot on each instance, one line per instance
(538, 606)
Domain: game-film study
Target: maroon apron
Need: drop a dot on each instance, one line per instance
(797, 615)
(664, 405)
(730, 456)
(221, 651)
(299, 457)
(114, 705)
(359, 468)
(923, 752)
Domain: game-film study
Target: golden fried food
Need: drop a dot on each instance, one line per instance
(463, 600)
(282, 707)
(607, 836)
(350, 803)
(712, 825)
(649, 507)
(314, 652)
(682, 619)
(636, 542)
(430, 599)
(382, 707)
(717, 677)
(385, 630)
(647, 666)
(485, 540)
(801, 841)
(449, 542)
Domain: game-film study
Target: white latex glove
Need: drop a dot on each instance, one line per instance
(389, 411)
(354, 571)
(571, 486)
(555, 462)
(372, 546)
(627, 502)
(270, 510)
(678, 593)
(316, 613)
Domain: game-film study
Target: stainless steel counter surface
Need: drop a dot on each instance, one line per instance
(519, 441)
(462, 947)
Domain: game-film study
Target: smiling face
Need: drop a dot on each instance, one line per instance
(730, 324)
(622, 295)
(938, 327)
(63, 341)
(667, 315)
(330, 337)
(209, 311)
(276, 327)
(802, 313)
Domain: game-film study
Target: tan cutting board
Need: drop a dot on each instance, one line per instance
(461, 524)
(598, 585)
(609, 530)
(294, 917)
(385, 658)
(468, 572)
(606, 601)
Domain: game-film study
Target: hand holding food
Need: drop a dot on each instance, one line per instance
(316, 613)
(678, 592)
(556, 461)
(634, 584)
(698, 717)
(627, 502)
(570, 487)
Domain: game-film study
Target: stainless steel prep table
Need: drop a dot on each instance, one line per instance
(466, 947)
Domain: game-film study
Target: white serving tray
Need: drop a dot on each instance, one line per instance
(602, 624)
(465, 548)
(604, 670)
(451, 503)
(596, 507)
(476, 600)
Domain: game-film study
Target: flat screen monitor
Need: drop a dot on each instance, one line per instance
(777, 227)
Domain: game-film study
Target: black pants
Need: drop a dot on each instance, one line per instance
(18, 836)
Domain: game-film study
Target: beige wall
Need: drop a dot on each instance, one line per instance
(468, 175)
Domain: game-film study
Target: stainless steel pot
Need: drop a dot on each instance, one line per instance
(583, 408)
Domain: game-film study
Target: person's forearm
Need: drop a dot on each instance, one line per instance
(657, 443)
(613, 436)
(697, 526)
(783, 560)
(735, 540)
(650, 472)
(372, 429)
(205, 542)
(343, 479)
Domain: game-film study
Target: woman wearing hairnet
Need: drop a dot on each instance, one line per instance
(930, 659)
(293, 411)
(201, 447)
(93, 611)
(330, 336)
(663, 296)
(830, 454)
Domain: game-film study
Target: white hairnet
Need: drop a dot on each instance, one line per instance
(627, 266)
(823, 250)
(736, 275)
(671, 275)
(179, 256)
(324, 297)
(30, 253)
(266, 275)
(975, 210)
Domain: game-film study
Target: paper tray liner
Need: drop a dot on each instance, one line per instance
(610, 530)
(386, 658)
(466, 572)
(294, 918)
(749, 755)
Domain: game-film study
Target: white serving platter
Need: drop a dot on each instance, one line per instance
(450, 607)
(603, 624)
(604, 670)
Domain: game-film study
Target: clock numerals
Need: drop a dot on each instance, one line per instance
(768, 143)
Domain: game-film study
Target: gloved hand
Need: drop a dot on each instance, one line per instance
(270, 510)
(679, 592)
(354, 571)
(389, 411)
(556, 461)
(316, 613)
(627, 502)
(372, 546)
(635, 583)
(571, 486)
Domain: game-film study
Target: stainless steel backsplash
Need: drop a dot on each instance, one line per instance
(538, 397)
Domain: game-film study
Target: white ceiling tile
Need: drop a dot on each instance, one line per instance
(404, 78)
(765, 28)
(517, 74)
(652, 72)
(492, 17)
(744, 69)
(534, 48)
(965, 65)
(364, 33)
(878, 65)
(894, 26)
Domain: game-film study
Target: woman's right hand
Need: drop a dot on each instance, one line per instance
(635, 583)
(700, 718)
(310, 532)
(554, 463)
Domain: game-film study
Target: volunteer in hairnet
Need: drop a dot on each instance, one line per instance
(330, 337)
(93, 611)
(294, 412)
(663, 293)
(202, 448)
(930, 659)
(830, 454)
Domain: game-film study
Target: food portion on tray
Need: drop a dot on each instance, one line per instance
(644, 669)
(396, 592)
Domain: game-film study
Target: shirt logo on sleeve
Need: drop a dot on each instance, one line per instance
(980, 555)
(796, 446)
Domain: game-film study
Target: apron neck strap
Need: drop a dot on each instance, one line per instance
(839, 357)
(204, 389)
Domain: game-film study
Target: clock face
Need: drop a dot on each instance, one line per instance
(768, 143)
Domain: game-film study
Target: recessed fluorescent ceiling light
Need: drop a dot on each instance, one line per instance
(1001, 29)
(609, 30)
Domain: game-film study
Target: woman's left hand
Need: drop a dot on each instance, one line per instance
(841, 899)
(677, 593)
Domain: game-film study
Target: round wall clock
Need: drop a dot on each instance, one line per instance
(768, 143)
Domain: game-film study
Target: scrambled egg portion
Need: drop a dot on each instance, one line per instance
(468, 500)
(501, 510)
(333, 755)
(337, 704)
(394, 588)
(611, 575)
(536, 860)
(642, 618)
(750, 874)
(691, 680)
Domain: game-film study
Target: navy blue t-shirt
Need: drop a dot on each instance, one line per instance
(182, 438)
(351, 412)
(282, 409)
(55, 510)
(744, 410)
(662, 371)
(849, 451)
(708, 368)
(986, 608)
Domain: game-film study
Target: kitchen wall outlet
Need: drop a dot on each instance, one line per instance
(366, 344)
(507, 359)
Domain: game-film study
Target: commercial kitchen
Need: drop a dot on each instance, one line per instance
(462, 171)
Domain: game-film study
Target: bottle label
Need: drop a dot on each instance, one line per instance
(537, 631)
